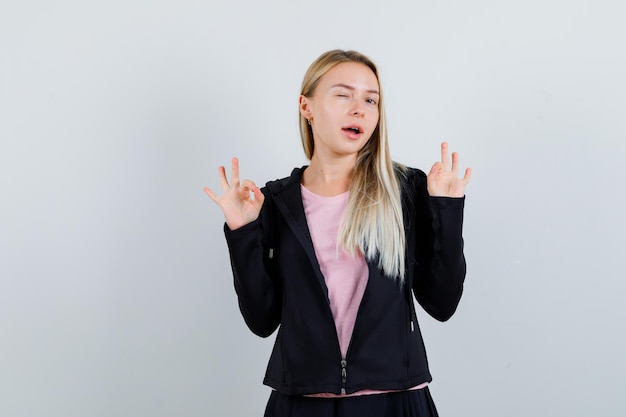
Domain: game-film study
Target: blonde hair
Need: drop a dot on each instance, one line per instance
(373, 221)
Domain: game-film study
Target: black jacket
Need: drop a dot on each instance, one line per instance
(278, 282)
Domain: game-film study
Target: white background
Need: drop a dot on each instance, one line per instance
(116, 296)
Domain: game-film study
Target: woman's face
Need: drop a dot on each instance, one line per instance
(343, 109)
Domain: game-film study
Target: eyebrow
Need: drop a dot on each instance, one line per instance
(349, 87)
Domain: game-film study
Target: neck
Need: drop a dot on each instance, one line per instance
(329, 177)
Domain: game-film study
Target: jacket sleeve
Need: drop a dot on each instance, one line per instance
(438, 283)
(259, 295)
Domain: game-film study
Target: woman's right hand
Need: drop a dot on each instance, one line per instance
(241, 202)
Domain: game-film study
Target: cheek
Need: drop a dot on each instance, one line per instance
(329, 114)
(374, 118)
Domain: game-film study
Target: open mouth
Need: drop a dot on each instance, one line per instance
(353, 129)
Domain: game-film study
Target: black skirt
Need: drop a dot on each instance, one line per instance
(414, 403)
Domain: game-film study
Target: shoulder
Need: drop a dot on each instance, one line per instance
(409, 176)
(413, 187)
(278, 185)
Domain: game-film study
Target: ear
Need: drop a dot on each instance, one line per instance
(305, 107)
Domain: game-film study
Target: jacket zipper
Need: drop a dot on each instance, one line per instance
(344, 376)
(311, 252)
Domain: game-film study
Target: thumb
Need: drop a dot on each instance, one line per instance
(435, 168)
(258, 195)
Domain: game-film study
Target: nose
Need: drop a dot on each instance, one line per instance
(358, 109)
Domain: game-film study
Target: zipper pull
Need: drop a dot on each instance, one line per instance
(412, 327)
(271, 253)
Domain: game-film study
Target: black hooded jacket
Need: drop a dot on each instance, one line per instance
(279, 283)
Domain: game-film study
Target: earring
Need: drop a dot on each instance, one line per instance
(310, 120)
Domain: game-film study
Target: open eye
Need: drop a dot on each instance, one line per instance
(371, 101)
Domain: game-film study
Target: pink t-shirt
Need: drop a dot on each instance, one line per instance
(345, 275)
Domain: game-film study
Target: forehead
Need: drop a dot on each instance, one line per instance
(354, 74)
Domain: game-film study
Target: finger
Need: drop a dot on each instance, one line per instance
(221, 171)
(467, 176)
(248, 185)
(436, 168)
(243, 194)
(234, 173)
(445, 158)
(247, 188)
(258, 195)
(211, 194)
(455, 162)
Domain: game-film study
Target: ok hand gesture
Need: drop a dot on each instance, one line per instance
(443, 179)
(241, 202)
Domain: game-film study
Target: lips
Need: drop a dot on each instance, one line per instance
(353, 131)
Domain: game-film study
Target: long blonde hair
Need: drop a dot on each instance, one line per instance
(373, 221)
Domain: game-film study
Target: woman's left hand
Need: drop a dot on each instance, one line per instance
(443, 179)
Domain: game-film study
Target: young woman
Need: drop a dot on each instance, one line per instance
(334, 253)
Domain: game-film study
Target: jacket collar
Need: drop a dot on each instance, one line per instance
(287, 196)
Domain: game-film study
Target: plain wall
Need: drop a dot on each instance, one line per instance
(116, 296)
